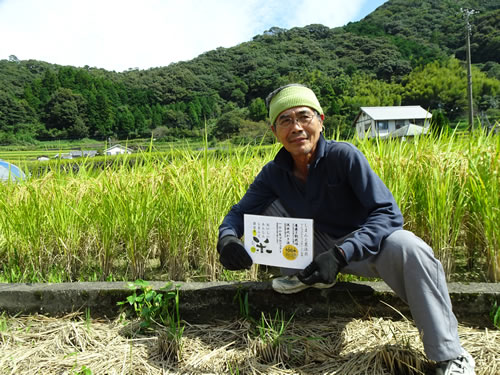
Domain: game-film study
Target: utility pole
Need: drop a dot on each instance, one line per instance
(467, 13)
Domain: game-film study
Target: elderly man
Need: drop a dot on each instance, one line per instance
(358, 227)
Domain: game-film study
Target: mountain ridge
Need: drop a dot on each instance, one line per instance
(348, 66)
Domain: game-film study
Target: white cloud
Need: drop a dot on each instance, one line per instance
(298, 13)
(120, 34)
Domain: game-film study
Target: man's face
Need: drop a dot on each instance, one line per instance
(298, 130)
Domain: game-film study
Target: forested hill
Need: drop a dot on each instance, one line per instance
(405, 52)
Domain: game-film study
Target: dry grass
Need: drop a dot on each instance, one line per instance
(69, 345)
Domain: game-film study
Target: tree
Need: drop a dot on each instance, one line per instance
(21, 133)
(79, 129)
(160, 133)
(194, 112)
(124, 122)
(31, 98)
(48, 85)
(104, 115)
(14, 111)
(228, 124)
(66, 111)
(157, 112)
(439, 121)
(141, 127)
(257, 109)
(444, 85)
(254, 132)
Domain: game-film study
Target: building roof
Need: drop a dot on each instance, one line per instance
(89, 153)
(409, 130)
(119, 146)
(65, 155)
(397, 112)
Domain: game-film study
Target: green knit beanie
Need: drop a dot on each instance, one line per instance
(292, 96)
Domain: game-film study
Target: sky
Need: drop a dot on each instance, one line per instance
(129, 34)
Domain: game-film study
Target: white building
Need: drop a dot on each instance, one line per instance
(117, 149)
(76, 154)
(63, 156)
(398, 121)
(83, 154)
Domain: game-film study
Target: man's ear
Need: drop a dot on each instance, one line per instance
(273, 129)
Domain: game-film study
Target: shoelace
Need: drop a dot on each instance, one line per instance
(458, 365)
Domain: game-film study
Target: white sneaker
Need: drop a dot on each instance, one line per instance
(291, 284)
(463, 365)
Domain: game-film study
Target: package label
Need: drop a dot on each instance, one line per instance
(279, 241)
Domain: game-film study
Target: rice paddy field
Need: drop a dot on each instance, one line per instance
(155, 215)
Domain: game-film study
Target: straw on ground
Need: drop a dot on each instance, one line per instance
(75, 344)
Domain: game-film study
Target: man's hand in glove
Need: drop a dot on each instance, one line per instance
(324, 268)
(233, 255)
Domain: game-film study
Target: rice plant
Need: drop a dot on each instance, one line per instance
(156, 215)
(272, 344)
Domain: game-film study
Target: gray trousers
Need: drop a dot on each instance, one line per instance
(407, 264)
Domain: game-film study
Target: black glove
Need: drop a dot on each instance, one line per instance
(233, 255)
(324, 268)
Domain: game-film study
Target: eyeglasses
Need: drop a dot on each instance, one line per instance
(303, 119)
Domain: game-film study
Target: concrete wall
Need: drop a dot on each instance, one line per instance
(206, 302)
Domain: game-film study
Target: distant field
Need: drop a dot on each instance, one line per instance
(19, 154)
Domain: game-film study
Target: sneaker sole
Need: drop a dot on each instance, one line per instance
(300, 287)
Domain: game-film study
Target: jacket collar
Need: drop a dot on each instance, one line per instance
(284, 160)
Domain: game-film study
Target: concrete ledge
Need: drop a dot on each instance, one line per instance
(205, 302)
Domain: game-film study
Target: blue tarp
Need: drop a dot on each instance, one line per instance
(11, 172)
